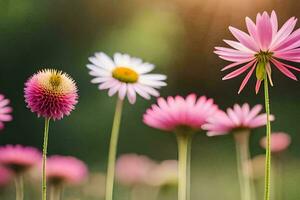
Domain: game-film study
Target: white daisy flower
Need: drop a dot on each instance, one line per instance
(126, 75)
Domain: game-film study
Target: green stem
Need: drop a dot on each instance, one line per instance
(184, 141)
(113, 151)
(242, 150)
(45, 145)
(19, 187)
(55, 192)
(268, 143)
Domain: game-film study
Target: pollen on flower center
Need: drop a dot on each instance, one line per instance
(55, 80)
(125, 74)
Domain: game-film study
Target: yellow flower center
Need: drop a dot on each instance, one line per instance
(125, 74)
(55, 80)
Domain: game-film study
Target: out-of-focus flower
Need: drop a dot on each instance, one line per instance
(126, 75)
(279, 142)
(257, 166)
(236, 118)
(133, 169)
(164, 174)
(19, 158)
(5, 176)
(5, 111)
(264, 45)
(65, 170)
(176, 112)
(51, 94)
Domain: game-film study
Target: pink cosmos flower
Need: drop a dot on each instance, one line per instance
(19, 158)
(175, 112)
(5, 111)
(5, 176)
(132, 169)
(236, 118)
(279, 142)
(125, 75)
(51, 94)
(263, 46)
(66, 170)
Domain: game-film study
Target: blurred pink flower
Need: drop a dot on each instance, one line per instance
(19, 158)
(51, 94)
(163, 174)
(279, 142)
(125, 75)
(175, 112)
(5, 176)
(236, 118)
(5, 111)
(132, 169)
(264, 45)
(65, 169)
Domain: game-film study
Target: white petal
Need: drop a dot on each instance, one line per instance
(131, 95)
(96, 71)
(156, 77)
(105, 61)
(108, 84)
(122, 91)
(144, 68)
(100, 79)
(114, 89)
(141, 92)
(149, 90)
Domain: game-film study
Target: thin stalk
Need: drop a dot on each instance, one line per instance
(113, 151)
(45, 146)
(184, 141)
(55, 192)
(268, 142)
(19, 187)
(244, 170)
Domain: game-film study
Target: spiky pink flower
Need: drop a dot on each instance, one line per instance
(279, 142)
(236, 118)
(5, 111)
(5, 176)
(132, 169)
(125, 75)
(51, 94)
(178, 112)
(19, 158)
(265, 45)
(65, 170)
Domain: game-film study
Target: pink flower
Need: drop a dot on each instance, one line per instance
(265, 44)
(177, 112)
(279, 142)
(51, 94)
(132, 169)
(19, 158)
(163, 174)
(236, 118)
(65, 169)
(5, 176)
(5, 111)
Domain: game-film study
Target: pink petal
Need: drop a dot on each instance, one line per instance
(238, 71)
(245, 81)
(238, 46)
(293, 41)
(264, 30)
(284, 70)
(244, 38)
(274, 22)
(252, 29)
(257, 86)
(283, 33)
